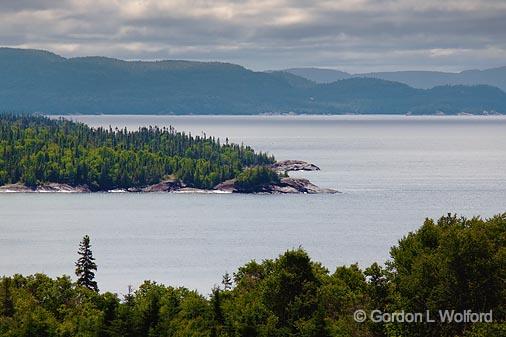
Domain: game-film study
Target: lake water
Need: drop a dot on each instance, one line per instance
(393, 172)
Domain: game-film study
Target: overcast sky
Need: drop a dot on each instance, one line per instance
(350, 35)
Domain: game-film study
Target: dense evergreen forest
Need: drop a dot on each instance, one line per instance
(36, 150)
(453, 263)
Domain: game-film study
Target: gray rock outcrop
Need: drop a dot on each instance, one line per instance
(293, 165)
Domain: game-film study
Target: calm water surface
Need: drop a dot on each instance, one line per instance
(393, 172)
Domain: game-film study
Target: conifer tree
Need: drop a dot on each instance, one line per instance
(227, 281)
(216, 302)
(129, 297)
(85, 265)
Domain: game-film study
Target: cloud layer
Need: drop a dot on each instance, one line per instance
(352, 35)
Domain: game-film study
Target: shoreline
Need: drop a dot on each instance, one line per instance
(461, 115)
(305, 187)
(286, 185)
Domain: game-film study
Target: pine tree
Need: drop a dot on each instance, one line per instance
(85, 265)
(227, 281)
(128, 299)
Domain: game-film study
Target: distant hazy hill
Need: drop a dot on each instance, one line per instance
(293, 80)
(39, 81)
(417, 79)
(379, 96)
(319, 75)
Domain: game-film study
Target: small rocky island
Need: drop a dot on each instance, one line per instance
(285, 184)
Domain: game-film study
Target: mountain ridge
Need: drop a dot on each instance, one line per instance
(420, 79)
(41, 81)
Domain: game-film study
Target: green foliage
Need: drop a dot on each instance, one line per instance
(254, 179)
(6, 297)
(454, 263)
(36, 150)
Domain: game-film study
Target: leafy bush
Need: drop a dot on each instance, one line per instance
(452, 264)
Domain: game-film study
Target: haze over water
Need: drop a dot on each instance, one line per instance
(393, 172)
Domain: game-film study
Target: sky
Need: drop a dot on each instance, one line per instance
(349, 35)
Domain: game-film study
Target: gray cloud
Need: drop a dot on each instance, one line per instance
(353, 35)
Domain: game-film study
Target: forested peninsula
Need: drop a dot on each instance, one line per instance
(456, 265)
(48, 155)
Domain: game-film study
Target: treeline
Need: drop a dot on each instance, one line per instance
(453, 264)
(36, 150)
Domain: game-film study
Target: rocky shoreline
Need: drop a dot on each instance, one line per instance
(286, 185)
(44, 188)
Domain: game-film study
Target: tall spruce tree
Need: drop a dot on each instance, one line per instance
(85, 265)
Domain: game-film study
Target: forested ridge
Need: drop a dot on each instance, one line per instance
(36, 149)
(40, 81)
(451, 264)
